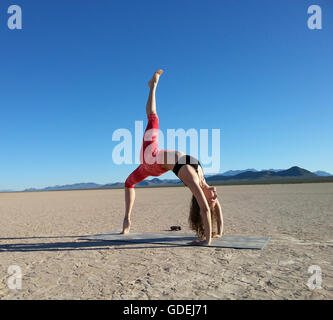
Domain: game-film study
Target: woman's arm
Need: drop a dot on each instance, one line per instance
(219, 218)
(204, 212)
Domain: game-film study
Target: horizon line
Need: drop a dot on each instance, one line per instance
(150, 178)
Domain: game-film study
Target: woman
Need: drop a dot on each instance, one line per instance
(205, 208)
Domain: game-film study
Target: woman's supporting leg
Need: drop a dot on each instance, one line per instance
(129, 201)
(151, 103)
(135, 177)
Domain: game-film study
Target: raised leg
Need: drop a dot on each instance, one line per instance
(139, 174)
(151, 103)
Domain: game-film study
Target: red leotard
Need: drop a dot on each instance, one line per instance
(151, 157)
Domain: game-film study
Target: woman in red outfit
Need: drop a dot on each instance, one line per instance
(205, 207)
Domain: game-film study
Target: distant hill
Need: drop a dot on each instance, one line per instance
(159, 182)
(265, 175)
(322, 174)
(238, 176)
(76, 186)
(112, 185)
(235, 172)
(90, 185)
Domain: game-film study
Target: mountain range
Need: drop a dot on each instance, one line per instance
(322, 173)
(232, 176)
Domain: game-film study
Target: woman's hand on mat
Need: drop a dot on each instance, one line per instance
(200, 242)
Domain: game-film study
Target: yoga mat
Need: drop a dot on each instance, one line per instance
(175, 238)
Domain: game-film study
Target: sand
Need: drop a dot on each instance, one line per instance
(39, 233)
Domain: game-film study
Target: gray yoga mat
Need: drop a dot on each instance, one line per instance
(175, 238)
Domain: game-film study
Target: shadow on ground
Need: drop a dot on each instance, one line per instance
(77, 244)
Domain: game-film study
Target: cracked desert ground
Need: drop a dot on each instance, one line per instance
(40, 232)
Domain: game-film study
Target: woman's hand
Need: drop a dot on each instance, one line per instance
(203, 241)
(216, 235)
(200, 242)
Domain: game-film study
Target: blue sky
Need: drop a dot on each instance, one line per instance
(78, 71)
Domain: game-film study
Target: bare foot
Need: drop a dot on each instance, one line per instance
(155, 78)
(126, 226)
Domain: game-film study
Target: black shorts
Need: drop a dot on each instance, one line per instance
(186, 160)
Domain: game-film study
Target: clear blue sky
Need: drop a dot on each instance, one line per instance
(78, 70)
